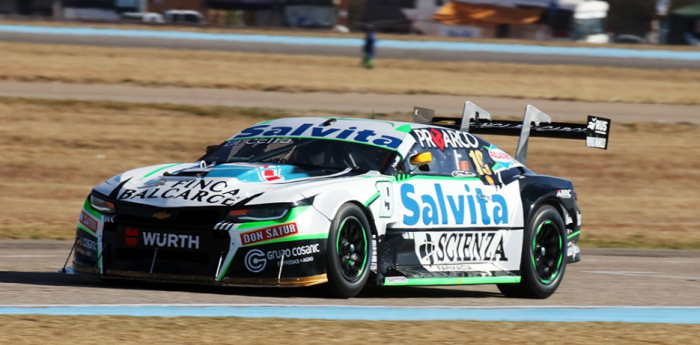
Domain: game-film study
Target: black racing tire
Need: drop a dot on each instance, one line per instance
(543, 260)
(349, 252)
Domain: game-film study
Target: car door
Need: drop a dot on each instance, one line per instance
(453, 215)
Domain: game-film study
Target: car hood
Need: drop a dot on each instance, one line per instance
(192, 184)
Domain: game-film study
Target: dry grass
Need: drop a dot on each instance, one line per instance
(642, 192)
(54, 330)
(329, 33)
(299, 73)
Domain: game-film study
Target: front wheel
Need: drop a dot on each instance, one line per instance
(349, 252)
(543, 260)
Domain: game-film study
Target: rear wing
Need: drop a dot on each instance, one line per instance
(478, 121)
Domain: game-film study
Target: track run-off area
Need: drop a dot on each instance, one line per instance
(609, 285)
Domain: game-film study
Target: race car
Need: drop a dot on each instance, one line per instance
(345, 202)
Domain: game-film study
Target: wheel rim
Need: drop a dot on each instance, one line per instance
(547, 252)
(351, 247)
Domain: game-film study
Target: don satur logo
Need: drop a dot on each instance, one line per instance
(255, 261)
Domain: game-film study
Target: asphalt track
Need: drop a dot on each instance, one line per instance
(422, 50)
(445, 105)
(651, 281)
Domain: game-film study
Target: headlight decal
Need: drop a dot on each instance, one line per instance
(101, 205)
(87, 206)
(293, 213)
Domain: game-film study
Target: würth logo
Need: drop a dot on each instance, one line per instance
(132, 237)
(155, 239)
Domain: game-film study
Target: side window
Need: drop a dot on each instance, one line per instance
(450, 150)
(444, 162)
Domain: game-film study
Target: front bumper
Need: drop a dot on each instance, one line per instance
(127, 247)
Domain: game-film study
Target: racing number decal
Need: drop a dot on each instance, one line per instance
(386, 196)
(478, 158)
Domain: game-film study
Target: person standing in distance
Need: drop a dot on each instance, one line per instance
(368, 49)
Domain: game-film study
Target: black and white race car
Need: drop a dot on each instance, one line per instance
(346, 202)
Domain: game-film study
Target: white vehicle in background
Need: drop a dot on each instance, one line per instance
(145, 17)
(184, 17)
(579, 20)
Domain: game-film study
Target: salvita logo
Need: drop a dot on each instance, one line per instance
(444, 138)
(156, 239)
(468, 207)
(308, 130)
(460, 247)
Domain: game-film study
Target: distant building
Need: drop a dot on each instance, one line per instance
(530, 19)
(26, 7)
(289, 13)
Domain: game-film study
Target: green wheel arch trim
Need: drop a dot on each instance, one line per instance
(366, 258)
(561, 254)
(455, 281)
(337, 239)
(371, 199)
(573, 234)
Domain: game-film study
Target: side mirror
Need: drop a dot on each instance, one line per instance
(422, 158)
(211, 148)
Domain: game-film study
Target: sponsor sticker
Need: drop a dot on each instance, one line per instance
(452, 206)
(597, 132)
(134, 237)
(215, 192)
(277, 231)
(395, 280)
(465, 250)
(572, 249)
(498, 155)
(367, 136)
(442, 138)
(131, 236)
(564, 193)
(255, 261)
(463, 173)
(304, 250)
(88, 222)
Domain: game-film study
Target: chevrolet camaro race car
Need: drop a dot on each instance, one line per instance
(346, 202)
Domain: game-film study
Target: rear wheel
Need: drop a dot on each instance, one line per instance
(543, 260)
(349, 252)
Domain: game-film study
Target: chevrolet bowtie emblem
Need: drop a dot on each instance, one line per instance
(161, 215)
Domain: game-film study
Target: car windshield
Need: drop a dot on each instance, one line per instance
(311, 153)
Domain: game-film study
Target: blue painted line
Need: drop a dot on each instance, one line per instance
(355, 42)
(674, 315)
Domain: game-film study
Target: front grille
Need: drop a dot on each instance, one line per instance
(163, 254)
(166, 216)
